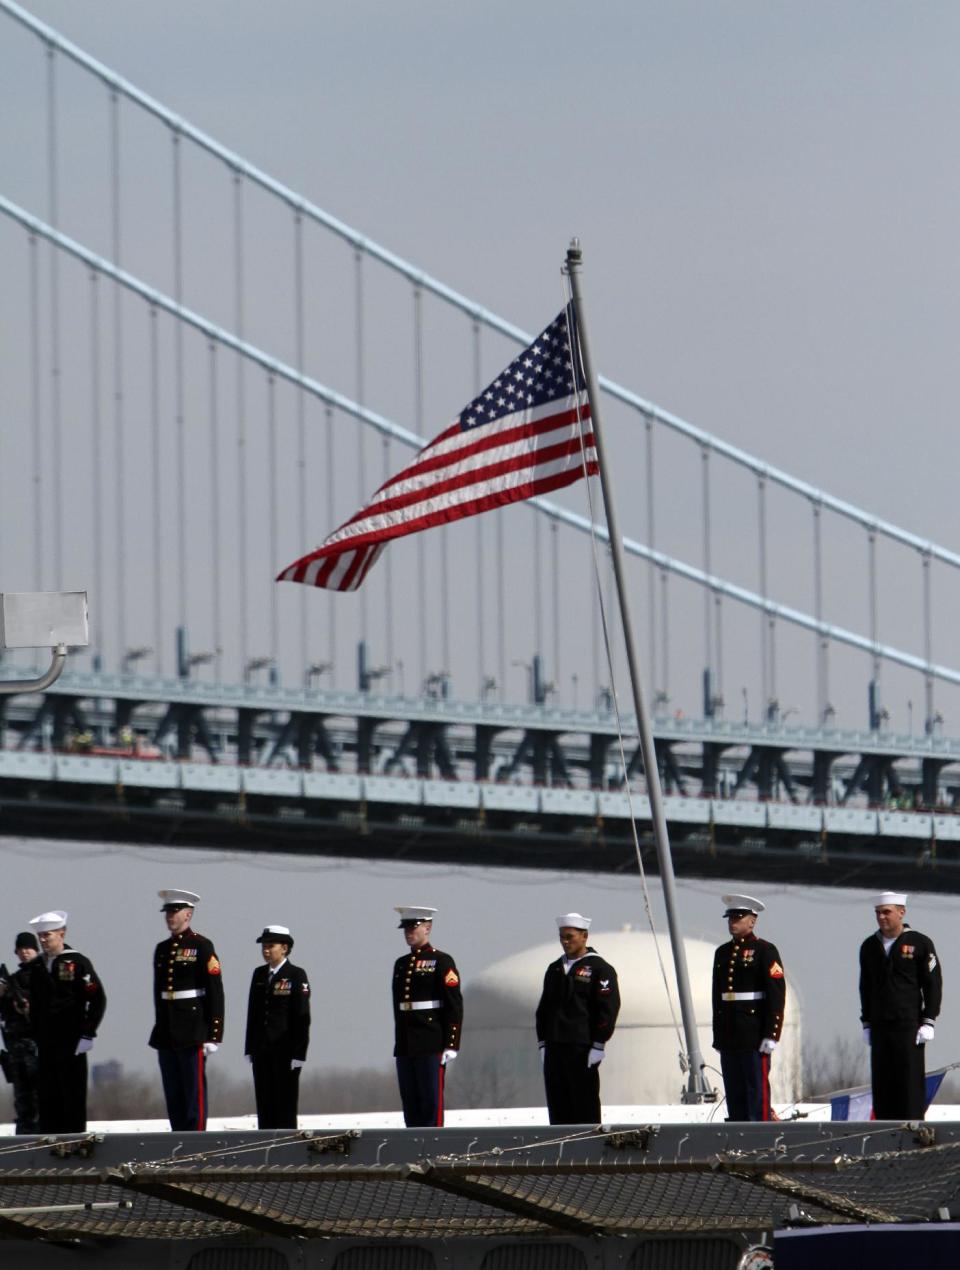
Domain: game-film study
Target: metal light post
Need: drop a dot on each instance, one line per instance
(42, 619)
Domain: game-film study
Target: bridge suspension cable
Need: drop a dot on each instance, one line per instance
(274, 366)
(419, 278)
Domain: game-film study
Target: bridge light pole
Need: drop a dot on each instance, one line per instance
(42, 619)
(253, 664)
(197, 659)
(132, 656)
(314, 671)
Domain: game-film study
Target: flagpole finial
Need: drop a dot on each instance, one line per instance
(574, 254)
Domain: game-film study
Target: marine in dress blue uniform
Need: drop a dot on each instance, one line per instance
(278, 1030)
(749, 997)
(575, 1018)
(901, 990)
(67, 1002)
(188, 1005)
(428, 1017)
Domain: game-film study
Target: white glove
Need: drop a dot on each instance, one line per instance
(296, 1064)
(543, 1052)
(925, 1033)
(448, 1056)
(85, 1045)
(768, 1045)
(210, 1047)
(595, 1056)
(866, 1036)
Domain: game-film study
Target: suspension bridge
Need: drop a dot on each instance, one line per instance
(204, 372)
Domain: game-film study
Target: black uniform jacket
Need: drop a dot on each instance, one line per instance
(186, 964)
(750, 969)
(580, 1006)
(15, 1007)
(67, 1001)
(903, 987)
(278, 1014)
(426, 974)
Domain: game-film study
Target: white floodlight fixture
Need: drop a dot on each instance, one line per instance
(42, 619)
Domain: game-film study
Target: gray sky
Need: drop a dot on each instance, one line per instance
(762, 195)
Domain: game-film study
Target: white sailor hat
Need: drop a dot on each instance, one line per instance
(276, 935)
(889, 897)
(577, 920)
(741, 904)
(413, 915)
(178, 899)
(54, 920)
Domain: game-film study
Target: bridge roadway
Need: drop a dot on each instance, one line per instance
(129, 758)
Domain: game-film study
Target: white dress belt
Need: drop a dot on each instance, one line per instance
(184, 994)
(743, 996)
(419, 1005)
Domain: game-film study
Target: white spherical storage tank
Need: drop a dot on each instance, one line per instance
(641, 1065)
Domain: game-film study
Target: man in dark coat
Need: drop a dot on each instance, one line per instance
(901, 988)
(428, 1016)
(278, 1030)
(20, 1065)
(575, 1018)
(749, 996)
(67, 1002)
(188, 1003)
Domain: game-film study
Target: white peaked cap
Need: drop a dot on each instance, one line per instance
(746, 902)
(54, 920)
(189, 898)
(889, 897)
(576, 920)
(414, 913)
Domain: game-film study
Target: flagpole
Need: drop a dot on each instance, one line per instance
(698, 1087)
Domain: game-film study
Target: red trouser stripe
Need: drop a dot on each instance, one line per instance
(765, 1082)
(201, 1101)
(440, 1076)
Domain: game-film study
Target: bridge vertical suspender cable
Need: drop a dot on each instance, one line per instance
(56, 407)
(332, 609)
(159, 633)
(216, 579)
(300, 340)
(273, 517)
(651, 569)
(96, 431)
(765, 689)
(120, 491)
(180, 402)
(239, 300)
(36, 413)
(424, 662)
(479, 522)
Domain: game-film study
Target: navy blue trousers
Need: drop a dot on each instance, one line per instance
(421, 1090)
(897, 1073)
(746, 1083)
(572, 1088)
(184, 1075)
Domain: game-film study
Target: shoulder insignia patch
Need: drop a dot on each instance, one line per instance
(776, 971)
(451, 978)
(213, 965)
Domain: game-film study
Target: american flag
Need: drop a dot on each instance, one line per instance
(520, 437)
